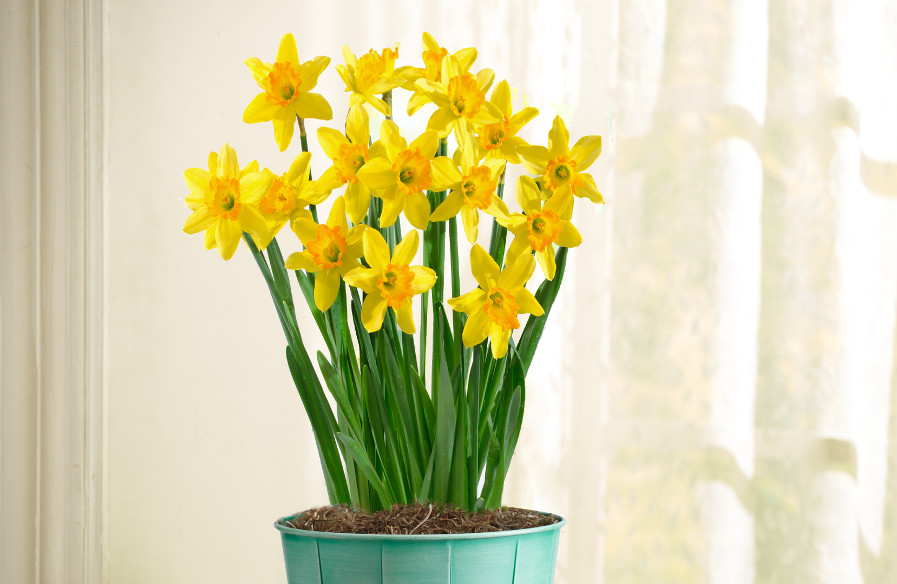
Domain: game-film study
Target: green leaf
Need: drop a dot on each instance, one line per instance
(546, 295)
(364, 464)
(445, 427)
(338, 391)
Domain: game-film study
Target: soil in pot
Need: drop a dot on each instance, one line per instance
(417, 519)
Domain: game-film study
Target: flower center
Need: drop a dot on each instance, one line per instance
(413, 170)
(282, 83)
(544, 229)
(478, 187)
(560, 171)
(328, 247)
(395, 284)
(222, 198)
(493, 135)
(433, 63)
(351, 157)
(372, 66)
(501, 308)
(465, 96)
(280, 200)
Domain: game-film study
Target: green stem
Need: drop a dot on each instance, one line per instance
(499, 234)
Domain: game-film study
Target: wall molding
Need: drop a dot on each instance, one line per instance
(52, 399)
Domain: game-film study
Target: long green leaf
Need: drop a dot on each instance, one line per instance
(364, 464)
(546, 295)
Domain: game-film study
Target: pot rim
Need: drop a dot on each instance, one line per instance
(279, 525)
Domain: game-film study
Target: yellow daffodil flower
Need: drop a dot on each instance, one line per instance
(287, 199)
(540, 227)
(331, 251)
(371, 75)
(402, 176)
(493, 307)
(473, 189)
(433, 55)
(461, 99)
(349, 153)
(560, 165)
(286, 85)
(500, 140)
(225, 200)
(390, 282)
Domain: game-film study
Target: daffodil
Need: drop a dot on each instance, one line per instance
(331, 251)
(224, 201)
(500, 140)
(433, 55)
(287, 199)
(460, 98)
(349, 153)
(286, 85)
(402, 176)
(473, 189)
(540, 227)
(370, 75)
(390, 282)
(560, 165)
(494, 306)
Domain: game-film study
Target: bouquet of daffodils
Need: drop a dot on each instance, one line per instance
(412, 415)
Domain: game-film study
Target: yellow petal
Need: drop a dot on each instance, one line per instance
(286, 52)
(283, 131)
(312, 105)
(305, 229)
(527, 303)
(441, 120)
(586, 150)
(424, 278)
(298, 172)
(392, 206)
(499, 339)
(337, 216)
(228, 166)
(469, 303)
(330, 141)
(301, 260)
(546, 261)
(528, 196)
(449, 207)
(327, 284)
(488, 114)
(588, 189)
(254, 186)
(405, 317)
(372, 312)
(522, 118)
(258, 69)
(228, 237)
(260, 110)
(417, 100)
(310, 71)
(477, 329)
(417, 210)
(328, 181)
(466, 57)
(358, 198)
(516, 274)
(534, 158)
(252, 222)
(198, 221)
(430, 43)
(485, 79)
(484, 268)
(209, 239)
(444, 173)
(501, 97)
(404, 252)
(569, 236)
(560, 200)
(358, 125)
(470, 217)
(376, 251)
(355, 241)
(392, 139)
(379, 105)
(427, 143)
(346, 76)
(197, 180)
(518, 247)
(377, 173)
(558, 138)
(365, 279)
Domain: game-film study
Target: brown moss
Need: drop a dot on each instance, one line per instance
(417, 519)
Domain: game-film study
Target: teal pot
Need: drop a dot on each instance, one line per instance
(524, 556)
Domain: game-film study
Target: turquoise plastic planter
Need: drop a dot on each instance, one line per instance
(525, 556)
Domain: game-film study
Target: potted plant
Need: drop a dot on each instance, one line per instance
(421, 394)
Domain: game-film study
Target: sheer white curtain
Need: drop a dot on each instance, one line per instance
(714, 399)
